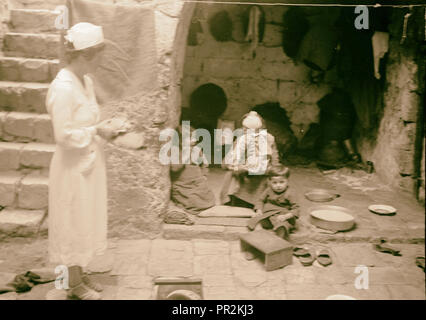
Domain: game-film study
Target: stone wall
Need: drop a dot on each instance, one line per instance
(395, 149)
(269, 77)
(138, 185)
(4, 17)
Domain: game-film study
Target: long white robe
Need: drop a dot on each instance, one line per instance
(77, 178)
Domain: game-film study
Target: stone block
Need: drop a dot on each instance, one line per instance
(275, 14)
(133, 294)
(43, 130)
(37, 155)
(210, 247)
(170, 258)
(34, 70)
(410, 105)
(272, 36)
(8, 187)
(218, 280)
(212, 264)
(31, 45)
(9, 155)
(23, 96)
(9, 69)
(287, 71)
(34, 98)
(20, 222)
(19, 124)
(406, 292)
(182, 232)
(193, 66)
(228, 68)
(53, 68)
(275, 54)
(27, 20)
(2, 121)
(309, 291)
(33, 192)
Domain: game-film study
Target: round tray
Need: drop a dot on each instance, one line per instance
(320, 195)
(382, 209)
(333, 218)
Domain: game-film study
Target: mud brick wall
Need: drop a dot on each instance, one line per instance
(395, 150)
(269, 77)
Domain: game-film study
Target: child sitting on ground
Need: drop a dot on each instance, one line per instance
(276, 209)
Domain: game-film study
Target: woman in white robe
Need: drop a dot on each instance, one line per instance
(77, 179)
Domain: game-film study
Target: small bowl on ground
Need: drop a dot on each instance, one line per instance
(382, 209)
(320, 195)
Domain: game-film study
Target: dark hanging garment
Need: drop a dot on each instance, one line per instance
(356, 69)
(318, 47)
(295, 26)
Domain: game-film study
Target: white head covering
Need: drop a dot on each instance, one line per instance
(84, 35)
(252, 121)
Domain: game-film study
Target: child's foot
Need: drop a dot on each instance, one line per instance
(249, 255)
(282, 232)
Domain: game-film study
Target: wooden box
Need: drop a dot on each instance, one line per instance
(274, 251)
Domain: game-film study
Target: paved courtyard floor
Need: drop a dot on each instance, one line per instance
(226, 274)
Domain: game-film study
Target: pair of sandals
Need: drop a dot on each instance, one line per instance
(86, 290)
(307, 257)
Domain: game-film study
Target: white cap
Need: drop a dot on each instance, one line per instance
(84, 35)
(252, 121)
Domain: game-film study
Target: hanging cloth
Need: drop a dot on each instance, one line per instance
(253, 34)
(380, 42)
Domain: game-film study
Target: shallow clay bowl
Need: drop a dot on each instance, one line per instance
(333, 218)
(321, 195)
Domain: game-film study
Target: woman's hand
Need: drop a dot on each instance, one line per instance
(258, 213)
(104, 131)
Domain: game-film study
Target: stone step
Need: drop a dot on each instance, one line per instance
(26, 127)
(31, 45)
(184, 232)
(34, 155)
(411, 235)
(21, 223)
(23, 191)
(33, 20)
(23, 96)
(35, 4)
(28, 70)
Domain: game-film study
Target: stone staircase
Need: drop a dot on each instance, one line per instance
(28, 64)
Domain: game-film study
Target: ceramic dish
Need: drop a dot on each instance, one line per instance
(320, 195)
(332, 218)
(382, 209)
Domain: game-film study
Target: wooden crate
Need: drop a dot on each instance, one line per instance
(273, 250)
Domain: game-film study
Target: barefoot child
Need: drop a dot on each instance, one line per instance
(276, 209)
